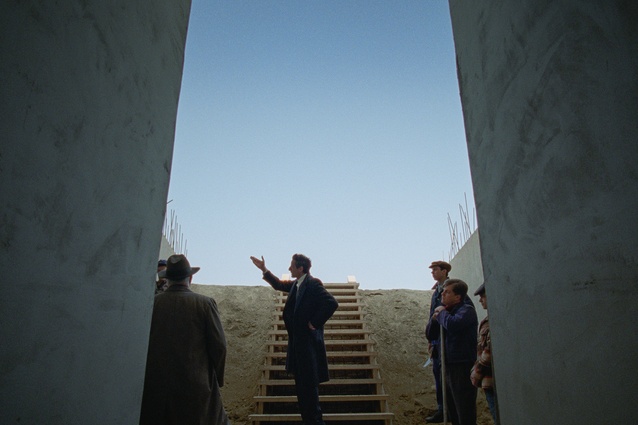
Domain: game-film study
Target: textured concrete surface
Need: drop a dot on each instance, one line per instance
(550, 94)
(467, 266)
(89, 95)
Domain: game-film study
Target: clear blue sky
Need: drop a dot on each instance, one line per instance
(328, 128)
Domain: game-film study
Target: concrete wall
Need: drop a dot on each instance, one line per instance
(89, 95)
(467, 266)
(166, 250)
(550, 101)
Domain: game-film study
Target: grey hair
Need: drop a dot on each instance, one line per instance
(184, 281)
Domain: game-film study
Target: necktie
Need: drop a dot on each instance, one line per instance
(298, 295)
(293, 294)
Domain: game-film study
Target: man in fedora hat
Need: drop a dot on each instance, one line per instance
(186, 354)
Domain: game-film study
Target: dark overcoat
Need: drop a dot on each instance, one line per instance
(185, 363)
(306, 353)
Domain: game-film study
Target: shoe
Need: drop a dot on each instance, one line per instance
(436, 418)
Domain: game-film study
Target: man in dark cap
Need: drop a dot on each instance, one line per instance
(161, 284)
(186, 354)
(481, 375)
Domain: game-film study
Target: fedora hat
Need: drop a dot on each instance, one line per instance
(177, 268)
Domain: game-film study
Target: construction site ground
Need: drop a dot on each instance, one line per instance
(395, 317)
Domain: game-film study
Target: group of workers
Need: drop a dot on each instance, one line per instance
(187, 346)
(460, 350)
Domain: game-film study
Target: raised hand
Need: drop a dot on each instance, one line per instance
(260, 264)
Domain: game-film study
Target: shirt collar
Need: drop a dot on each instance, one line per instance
(439, 286)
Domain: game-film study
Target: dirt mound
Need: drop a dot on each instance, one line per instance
(396, 318)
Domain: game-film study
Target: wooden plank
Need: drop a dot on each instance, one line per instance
(282, 354)
(346, 324)
(330, 343)
(343, 306)
(339, 313)
(291, 417)
(323, 398)
(339, 284)
(326, 332)
(353, 366)
(282, 382)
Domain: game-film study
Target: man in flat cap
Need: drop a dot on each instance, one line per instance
(440, 270)
(186, 354)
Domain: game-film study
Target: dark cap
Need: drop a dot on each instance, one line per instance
(442, 264)
(161, 263)
(480, 290)
(177, 268)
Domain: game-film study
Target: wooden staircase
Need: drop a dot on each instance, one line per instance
(354, 394)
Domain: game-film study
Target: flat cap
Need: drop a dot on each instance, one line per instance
(442, 264)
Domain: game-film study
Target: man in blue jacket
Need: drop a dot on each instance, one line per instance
(459, 322)
(308, 307)
(440, 273)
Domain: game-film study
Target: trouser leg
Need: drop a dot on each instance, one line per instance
(436, 370)
(490, 397)
(308, 401)
(461, 394)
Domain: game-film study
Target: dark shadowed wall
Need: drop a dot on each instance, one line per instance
(89, 95)
(550, 101)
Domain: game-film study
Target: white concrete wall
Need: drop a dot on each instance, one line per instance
(467, 266)
(89, 95)
(166, 250)
(549, 92)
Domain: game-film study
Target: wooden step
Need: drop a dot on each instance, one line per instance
(354, 366)
(337, 315)
(329, 342)
(281, 382)
(354, 394)
(338, 321)
(327, 417)
(323, 398)
(343, 305)
(337, 293)
(282, 354)
(326, 332)
(333, 286)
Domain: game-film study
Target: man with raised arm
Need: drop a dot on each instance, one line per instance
(308, 307)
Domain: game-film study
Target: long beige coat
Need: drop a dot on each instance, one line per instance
(185, 364)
